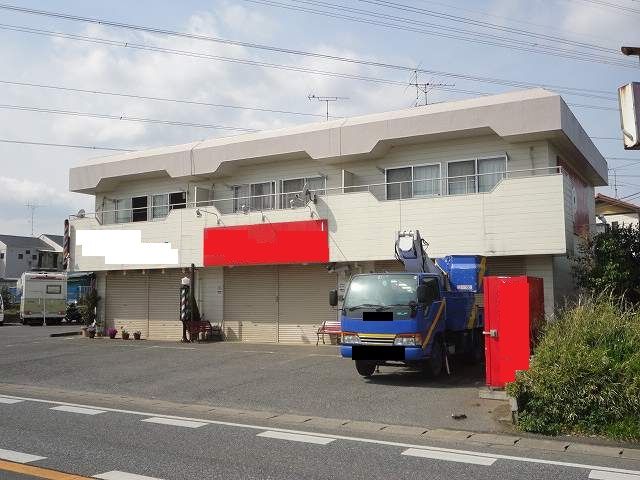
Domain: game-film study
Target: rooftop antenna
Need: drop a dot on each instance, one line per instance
(326, 100)
(32, 207)
(424, 88)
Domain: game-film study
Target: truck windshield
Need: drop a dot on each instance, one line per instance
(383, 290)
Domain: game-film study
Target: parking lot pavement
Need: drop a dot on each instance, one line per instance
(300, 380)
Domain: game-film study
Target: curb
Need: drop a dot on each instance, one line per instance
(64, 334)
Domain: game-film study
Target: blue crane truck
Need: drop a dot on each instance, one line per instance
(415, 318)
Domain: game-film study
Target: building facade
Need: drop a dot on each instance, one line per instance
(21, 254)
(272, 221)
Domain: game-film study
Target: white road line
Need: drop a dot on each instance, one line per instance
(513, 458)
(82, 410)
(174, 422)
(601, 475)
(172, 348)
(10, 401)
(294, 437)
(117, 475)
(18, 457)
(449, 457)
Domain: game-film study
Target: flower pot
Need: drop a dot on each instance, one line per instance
(91, 333)
(83, 332)
(125, 335)
(137, 336)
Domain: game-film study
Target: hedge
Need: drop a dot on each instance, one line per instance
(584, 377)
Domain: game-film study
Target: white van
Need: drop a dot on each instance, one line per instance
(44, 297)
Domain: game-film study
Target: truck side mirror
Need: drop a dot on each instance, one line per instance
(333, 298)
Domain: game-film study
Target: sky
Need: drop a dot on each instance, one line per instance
(516, 40)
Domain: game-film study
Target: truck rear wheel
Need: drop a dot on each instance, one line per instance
(365, 368)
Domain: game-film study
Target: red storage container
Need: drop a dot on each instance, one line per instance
(514, 310)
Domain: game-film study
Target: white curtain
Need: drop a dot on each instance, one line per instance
(160, 206)
(461, 177)
(426, 180)
(490, 172)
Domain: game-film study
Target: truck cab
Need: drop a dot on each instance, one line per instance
(413, 318)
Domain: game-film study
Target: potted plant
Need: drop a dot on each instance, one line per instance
(112, 332)
(137, 335)
(125, 334)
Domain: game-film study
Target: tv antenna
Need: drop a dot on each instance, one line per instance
(424, 88)
(326, 100)
(32, 207)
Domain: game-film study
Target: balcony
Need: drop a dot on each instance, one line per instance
(504, 213)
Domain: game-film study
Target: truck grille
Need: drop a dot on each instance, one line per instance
(377, 338)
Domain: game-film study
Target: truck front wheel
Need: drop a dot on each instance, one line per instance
(434, 365)
(365, 368)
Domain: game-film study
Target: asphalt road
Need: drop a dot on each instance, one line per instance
(97, 443)
(305, 380)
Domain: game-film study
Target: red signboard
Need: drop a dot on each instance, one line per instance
(513, 312)
(267, 244)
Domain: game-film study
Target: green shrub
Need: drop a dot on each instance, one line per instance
(585, 375)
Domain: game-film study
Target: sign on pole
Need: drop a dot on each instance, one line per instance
(629, 98)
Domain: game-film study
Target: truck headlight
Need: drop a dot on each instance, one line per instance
(412, 340)
(350, 338)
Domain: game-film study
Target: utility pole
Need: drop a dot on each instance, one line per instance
(326, 100)
(33, 207)
(425, 88)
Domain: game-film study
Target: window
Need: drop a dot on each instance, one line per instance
(177, 200)
(163, 203)
(407, 182)
(54, 289)
(20, 256)
(256, 196)
(1, 255)
(204, 197)
(34, 257)
(478, 175)
(28, 252)
(291, 190)
(139, 209)
(123, 210)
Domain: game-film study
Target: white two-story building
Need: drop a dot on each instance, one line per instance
(273, 220)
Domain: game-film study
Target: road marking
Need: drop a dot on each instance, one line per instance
(117, 475)
(18, 457)
(602, 475)
(294, 437)
(38, 472)
(175, 422)
(172, 348)
(449, 457)
(82, 410)
(9, 401)
(514, 458)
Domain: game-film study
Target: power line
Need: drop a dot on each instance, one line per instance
(160, 99)
(588, 93)
(122, 117)
(615, 6)
(63, 145)
(473, 36)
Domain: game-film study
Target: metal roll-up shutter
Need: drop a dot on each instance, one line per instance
(126, 303)
(164, 304)
(303, 301)
(389, 266)
(506, 266)
(250, 304)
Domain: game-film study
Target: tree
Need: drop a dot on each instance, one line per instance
(7, 298)
(88, 305)
(610, 261)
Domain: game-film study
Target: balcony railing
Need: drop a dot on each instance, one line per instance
(390, 191)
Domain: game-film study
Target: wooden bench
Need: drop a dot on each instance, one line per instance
(332, 327)
(195, 328)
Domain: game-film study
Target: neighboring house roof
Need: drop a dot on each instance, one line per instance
(25, 242)
(610, 206)
(526, 115)
(57, 239)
